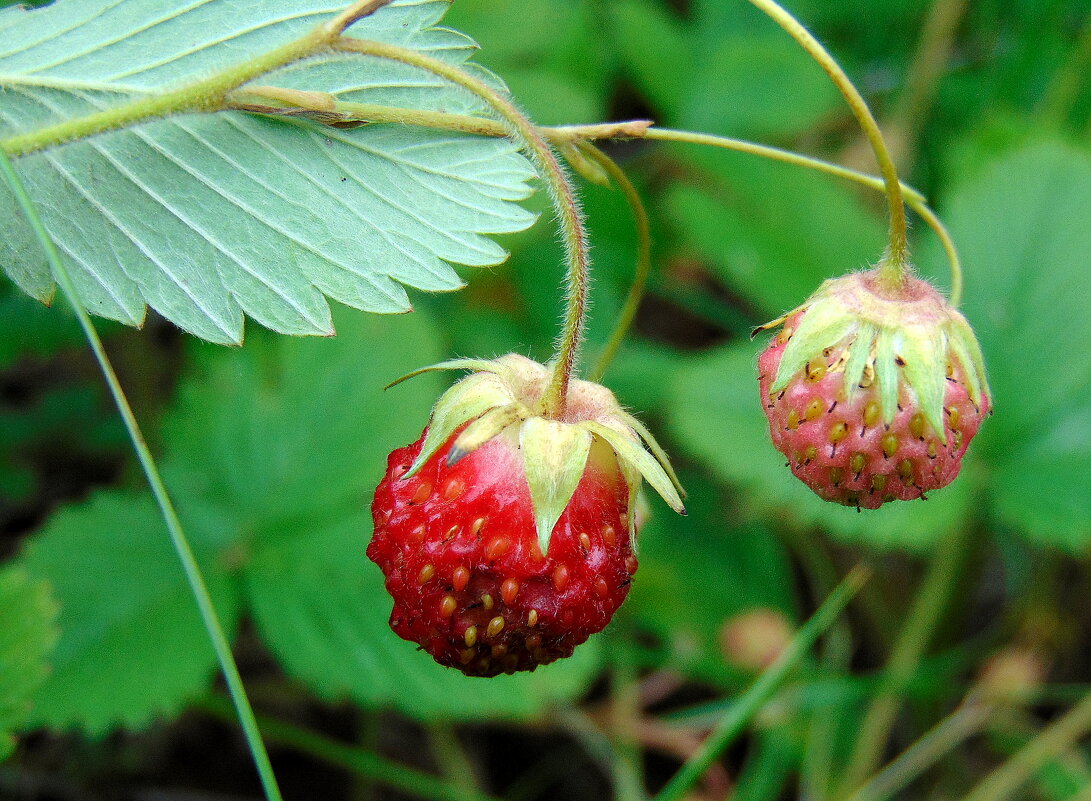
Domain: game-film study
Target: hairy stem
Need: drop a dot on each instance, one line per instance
(205, 95)
(894, 268)
(643, 259)
(178, 537)
(569, 213)
(913, 640)
(751, 702)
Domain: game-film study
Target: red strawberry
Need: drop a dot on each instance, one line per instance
(507, 539)
(873, 398)
(460, 553)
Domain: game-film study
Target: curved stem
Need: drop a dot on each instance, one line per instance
(207, 94)
(895, 266)
(643, 258)
(569, 213)
(913, 639)
(912, 197)
(178, 537)
(750, 703)
(949, 248)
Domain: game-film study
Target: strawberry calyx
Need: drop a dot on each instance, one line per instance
(504, 396)
(907, 339)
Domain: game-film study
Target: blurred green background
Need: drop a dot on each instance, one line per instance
(272, 450)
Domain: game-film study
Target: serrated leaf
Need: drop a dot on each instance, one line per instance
(132, 643)
(715, 415)
(1021, 226)
(208, 218)
(28, 633)
(287, 430)
(322, 609)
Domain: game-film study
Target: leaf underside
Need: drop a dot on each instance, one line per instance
(208, 218)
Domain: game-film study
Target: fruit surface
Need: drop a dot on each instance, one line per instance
(459, 549)
(838, 443)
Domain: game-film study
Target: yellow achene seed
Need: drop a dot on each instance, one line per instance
(447, 607)
(878, 483)
(838, 431)
(916, 425)
(495, 625)
(905, 469)
(837, 475)
(487, 602)
(858, 462)
(871, 414)
(952, 416)
(814, 410)
(890, 444)
(471, 636)
(793, 420)
(426, 574)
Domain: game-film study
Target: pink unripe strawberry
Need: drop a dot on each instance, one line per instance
(507, 538)
(873, 395)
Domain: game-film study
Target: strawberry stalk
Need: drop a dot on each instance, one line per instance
(894, 267)
(562, 193)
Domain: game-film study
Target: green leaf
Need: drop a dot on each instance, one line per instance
(211, 217)
(554, 457)
(756, 87)
(1022, 229)
(773, 248)
(27, 635)
(132, 643)
(321, 607)
(699, 571)
(287, 430)
(715, 415)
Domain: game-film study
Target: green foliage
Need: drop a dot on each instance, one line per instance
(208, 218)
(272, 453)
(132, 644)
(699, 571)
(27, 634)
(1022, 227)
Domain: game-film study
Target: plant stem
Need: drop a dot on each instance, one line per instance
(569, 213)
(1054, 740)
(205, 95)
(643, 259)
(912, 197)
(364, 763)
(938, 742)
(910, 646)
(151, 471)
(741, 713)
(894, 268)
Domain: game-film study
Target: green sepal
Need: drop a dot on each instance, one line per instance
(967, 350)
(485, 428)
(656, 449)
(478, 365)
(825, 324)
(859, 356)
(886, 373)
(924, 355)
(631, 452)
(465, 401)
(554, 457)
